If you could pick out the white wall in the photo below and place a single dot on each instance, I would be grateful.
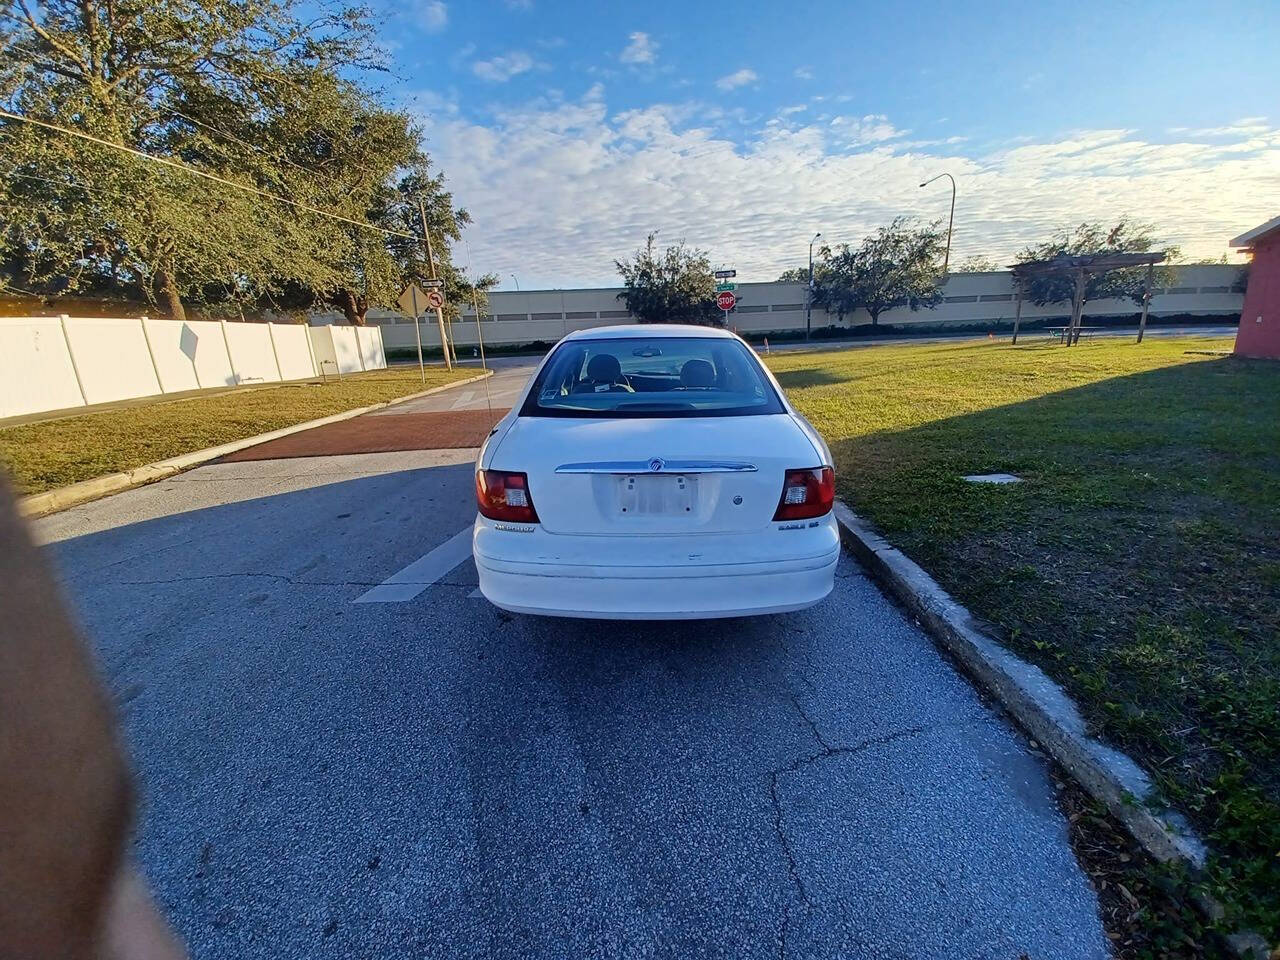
(292, 350)
(322, 350)
(252, 357)
(346, 349)
(173, 345)
(35, 368)
(118, 359)
(213, 362)
(369, 344)
(525, 316)
(112, 359)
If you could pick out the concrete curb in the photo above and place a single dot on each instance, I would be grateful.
(51, 501)
(1039, 705)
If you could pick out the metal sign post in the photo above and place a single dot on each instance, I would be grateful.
(412, 301)
(726, 301)
(726, 298)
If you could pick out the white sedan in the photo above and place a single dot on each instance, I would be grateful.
(650, 473)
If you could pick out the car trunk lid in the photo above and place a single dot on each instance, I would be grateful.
(660, 476)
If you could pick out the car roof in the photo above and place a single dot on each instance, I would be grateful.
(649, 330)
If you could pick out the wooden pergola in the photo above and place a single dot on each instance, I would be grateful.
(1081, 268)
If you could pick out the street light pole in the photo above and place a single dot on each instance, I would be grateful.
(951, 221)
(513, 277)
(808, 297)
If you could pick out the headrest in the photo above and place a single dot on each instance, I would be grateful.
(697, 373)
(604, 368)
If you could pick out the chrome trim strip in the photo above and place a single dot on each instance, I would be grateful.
(668, 466)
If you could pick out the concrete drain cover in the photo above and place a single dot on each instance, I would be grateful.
(993, 478)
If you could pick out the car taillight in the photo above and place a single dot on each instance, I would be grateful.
(807, 493)
(501, 495)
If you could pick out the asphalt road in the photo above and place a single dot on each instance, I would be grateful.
(418, 774)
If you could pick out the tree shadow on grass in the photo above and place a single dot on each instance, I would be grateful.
(1137, 563)
(810, 377)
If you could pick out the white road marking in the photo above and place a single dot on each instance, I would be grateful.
(475, 594)
(422, 573)
(463, 399)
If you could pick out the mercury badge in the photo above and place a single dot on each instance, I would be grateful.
(656, 465)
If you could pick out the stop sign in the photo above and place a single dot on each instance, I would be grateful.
(726, 300)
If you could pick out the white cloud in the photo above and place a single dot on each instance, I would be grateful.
(739, 78)
(641, 49)
(432, 103)
(461, 55)
(558, 189)
(858, 131)
(1247, 126)
(433, 15)
(798, 108)
(802, 73)
(501, 69)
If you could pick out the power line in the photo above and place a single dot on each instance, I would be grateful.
(231, 136)
(164, 161)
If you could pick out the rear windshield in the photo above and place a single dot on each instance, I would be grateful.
(652, 377)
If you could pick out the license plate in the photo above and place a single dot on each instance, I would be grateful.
(664, 496)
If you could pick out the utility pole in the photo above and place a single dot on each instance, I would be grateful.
(431, 260)
(808, 296)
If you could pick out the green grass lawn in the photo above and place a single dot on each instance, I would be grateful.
(1138, 564)
(42, 456)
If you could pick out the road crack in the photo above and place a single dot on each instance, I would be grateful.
(828, 750)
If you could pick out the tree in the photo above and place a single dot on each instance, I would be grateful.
(899, 265)
(258, 92)
(1089, 239)
(670, 286)
(978, 263)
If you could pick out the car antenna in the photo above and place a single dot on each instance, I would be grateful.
(475, 303)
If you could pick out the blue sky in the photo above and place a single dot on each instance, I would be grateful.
(571, 129)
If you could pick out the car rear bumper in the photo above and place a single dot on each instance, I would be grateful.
(672, 591)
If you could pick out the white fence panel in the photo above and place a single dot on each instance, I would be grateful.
(252, 357)
(35, 370)
(346, 349)
(292, 351)
(173, 345)
(112, 358)
(126, 358)
(367, 341)
(213, 363)
(322, 346)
